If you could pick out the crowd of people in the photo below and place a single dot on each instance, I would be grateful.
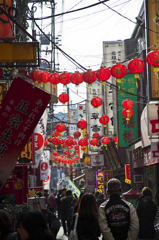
(113, 218)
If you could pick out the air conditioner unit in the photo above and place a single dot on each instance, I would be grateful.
(138, 178)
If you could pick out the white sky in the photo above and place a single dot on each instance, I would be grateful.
(83, 32)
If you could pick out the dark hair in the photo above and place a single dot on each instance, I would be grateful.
(146, 191)
(88, 208)
(39, 193)
(63, 189)
(96, 194)
(77, 203)
(34, 223)
(6, 222)
(68, 192)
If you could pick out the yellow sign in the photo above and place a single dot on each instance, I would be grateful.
(87, 161)
(18, 52)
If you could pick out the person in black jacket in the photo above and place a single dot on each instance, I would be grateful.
(66, 204)
(87, 225)
(100, 199)
(146, 211)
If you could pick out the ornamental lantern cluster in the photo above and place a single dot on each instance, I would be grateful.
(60, 127)
(127, 112)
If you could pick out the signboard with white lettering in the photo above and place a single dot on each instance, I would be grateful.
(153, 119)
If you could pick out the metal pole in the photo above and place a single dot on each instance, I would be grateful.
(53, 36)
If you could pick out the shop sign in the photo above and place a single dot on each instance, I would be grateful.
(153, 119)
(87, 161)
(44, 167)
(6, 24)
(137, 153)
(127, 130)
(127, 174)
(32, 191)
(108, 174)
(97, 160)
(151, 154)
(90, 175)
(21, 109)
(47, 181)
(18, 184)
(100, 182)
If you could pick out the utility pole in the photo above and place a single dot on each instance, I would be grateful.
(68, 110)
(53, 36)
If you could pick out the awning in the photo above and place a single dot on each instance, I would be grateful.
(79, 177)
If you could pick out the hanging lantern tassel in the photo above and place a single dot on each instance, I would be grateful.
(56, 147)
(136, 84)
(105, 146)
(136, 75)
(39, 84)
(118, 80)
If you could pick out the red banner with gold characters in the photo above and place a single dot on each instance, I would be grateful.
(20, 112)
(108, 174)
(127, 174)
(6, 25)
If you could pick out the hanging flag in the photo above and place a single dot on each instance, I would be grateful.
(39, 137)
(20, 112)
(47, 182)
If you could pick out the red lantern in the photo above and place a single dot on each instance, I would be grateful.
(104, 120)
(118, 71)
(72, 154)
(136, 66)
(76, 78)
(96, 102)
(115, 139)
(45, 144)
(55, 153)
(69, 142)
(83, 148)
(55, 141)
(50, 140)
(66, 152)
(70, 137)
(76, 148)
(103, 74)
(57, 133)
(152, 59)
(89, 77)
(69, 147)
(63, 127)
(64, 78)
(77, 134)
(127, 113)
(35, 76)
(54, 79)
(64, 97)
(82, 124)
(59, 127)
(74, 142)
(84, 142)
(105, 141)
(95, 135)
(94, 142)
(62, 141)
(70, 168)
(127, 104)
(44, 77)
(55, 166)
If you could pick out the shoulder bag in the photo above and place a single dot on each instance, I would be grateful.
(73, 234)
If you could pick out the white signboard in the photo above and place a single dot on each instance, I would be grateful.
(44, 166)
(39, 137)
(97, 160)
(93, 115)
(153, 119)
(47, 182)
(81, 108)
(113, 52)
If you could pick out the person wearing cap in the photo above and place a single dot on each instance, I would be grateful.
(146, 211)
(118, 219)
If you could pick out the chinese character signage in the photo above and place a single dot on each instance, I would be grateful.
(47, 181)
(127, 130)
(6, 25)
(151, 154)
(72, 187)
(153, 119)
(113, 52)
(97, 160)
(127, 174)
(152, 24)
(87, 161)
(108, 174)
(27, 155)
(100, 182)
(93, 114)
(44, 166)
(39, 137)
(20, 111)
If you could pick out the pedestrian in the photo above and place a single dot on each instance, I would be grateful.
(51, 202)
(58, 203)
(66, 203)
(96, 194)
(7, 226)
(32, 226)
(100, 199)
(117, 218)
(87, 225)
(146, 211)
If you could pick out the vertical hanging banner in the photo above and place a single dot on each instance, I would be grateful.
(108, 174)
(47, 181)
(113, 52)
(152, 24)
(44, 166)
(93, 114)
(100, 182)
(127, 130)
(6, 25)
(127, 174)
(20, 111)
(39, 137)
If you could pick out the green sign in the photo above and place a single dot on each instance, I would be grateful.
(127, 130)
(133, 202)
